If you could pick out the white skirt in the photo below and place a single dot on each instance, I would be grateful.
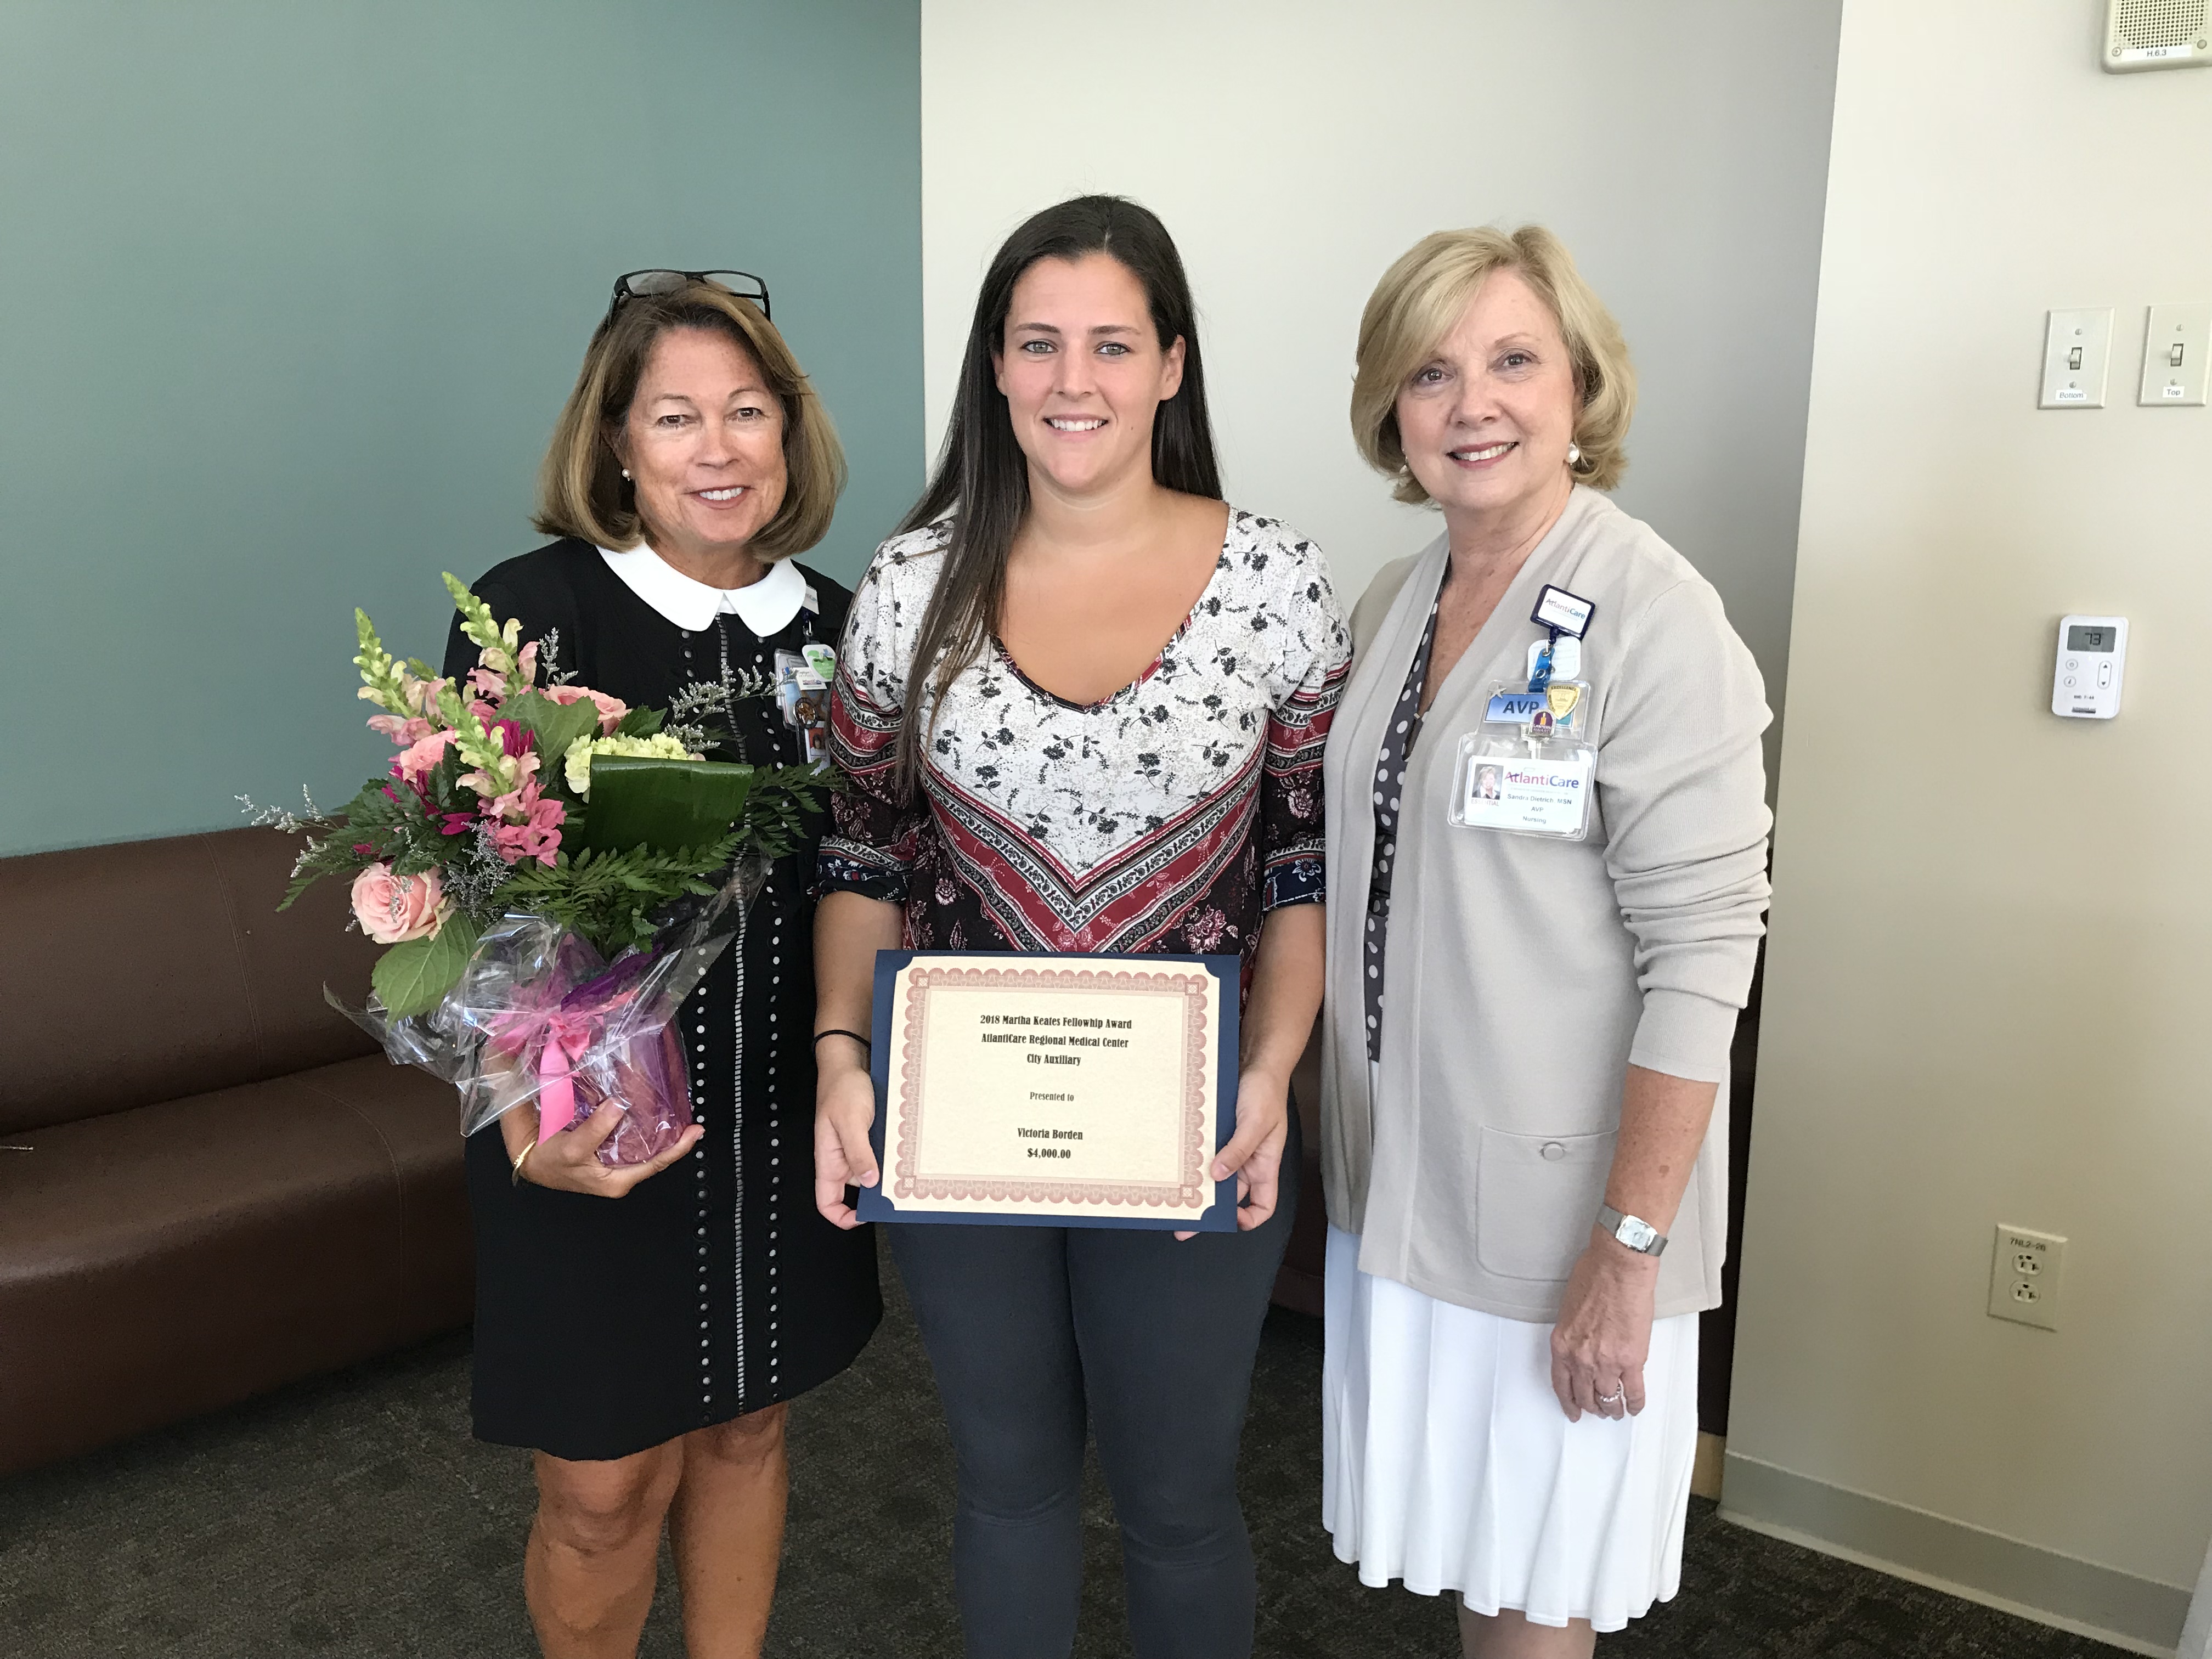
(1447, 1461)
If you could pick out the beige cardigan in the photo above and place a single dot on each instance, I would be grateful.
(1524, 975)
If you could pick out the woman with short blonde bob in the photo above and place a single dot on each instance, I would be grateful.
(1533, 975)
(642, 1328)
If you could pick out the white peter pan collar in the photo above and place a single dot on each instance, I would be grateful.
(767, 606)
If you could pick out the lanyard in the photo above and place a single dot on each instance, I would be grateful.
(1539, 679)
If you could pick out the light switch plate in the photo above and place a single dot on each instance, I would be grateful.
(2182, 332)
(2024, 1277)
(2076, 345)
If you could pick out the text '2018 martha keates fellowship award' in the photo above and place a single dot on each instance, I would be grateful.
(1054, 1091)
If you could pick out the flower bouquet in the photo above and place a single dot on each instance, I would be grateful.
(553, 873)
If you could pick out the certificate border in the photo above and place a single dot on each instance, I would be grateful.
(1060, 1203)
(1188, 1194)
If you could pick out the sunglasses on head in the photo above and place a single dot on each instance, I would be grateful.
(634, 284)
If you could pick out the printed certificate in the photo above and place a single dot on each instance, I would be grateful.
(1054, 1091)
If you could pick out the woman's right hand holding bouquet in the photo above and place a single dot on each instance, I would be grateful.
(569, 1160)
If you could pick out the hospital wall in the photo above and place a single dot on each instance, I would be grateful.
(1987, 981)
(1295, 147)
(292, 294)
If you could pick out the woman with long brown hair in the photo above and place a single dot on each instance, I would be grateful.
(1082, 703)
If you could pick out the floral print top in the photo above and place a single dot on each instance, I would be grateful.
(1168, 818)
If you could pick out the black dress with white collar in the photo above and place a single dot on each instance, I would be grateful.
(606, 1326)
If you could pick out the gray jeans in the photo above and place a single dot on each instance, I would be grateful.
(1032, 1330)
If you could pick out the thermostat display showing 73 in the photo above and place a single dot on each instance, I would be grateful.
(2092, 652)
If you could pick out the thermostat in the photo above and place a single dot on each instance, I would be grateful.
(2091, 652)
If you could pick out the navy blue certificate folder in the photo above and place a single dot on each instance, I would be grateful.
(1219, 1216)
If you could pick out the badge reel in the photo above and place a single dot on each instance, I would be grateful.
(1530, 767)
(802, 694)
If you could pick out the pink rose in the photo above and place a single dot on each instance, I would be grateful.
(420, 758)
(393, 909)
(612, 709)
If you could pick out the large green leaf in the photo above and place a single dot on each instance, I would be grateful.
(664, 806)
(413, 978)
(554, 724)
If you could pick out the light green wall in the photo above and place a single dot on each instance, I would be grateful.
(291, 294)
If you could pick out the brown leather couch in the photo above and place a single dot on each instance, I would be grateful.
(228, 1188)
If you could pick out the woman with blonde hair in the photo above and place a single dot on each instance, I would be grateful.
(1534, 968)
(642, 1328)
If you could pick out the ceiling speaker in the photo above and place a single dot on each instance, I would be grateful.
(2157, 34)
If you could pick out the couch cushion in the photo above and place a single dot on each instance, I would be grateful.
(154, 970)
(286, 960)
(163, 1261)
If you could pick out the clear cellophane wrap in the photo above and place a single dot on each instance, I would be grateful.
(539, 1019)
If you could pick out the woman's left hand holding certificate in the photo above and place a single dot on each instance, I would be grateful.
(1277, 1016)
(848, 930)
(1254, 1153)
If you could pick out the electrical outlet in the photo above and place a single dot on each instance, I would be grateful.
(2024, 1277)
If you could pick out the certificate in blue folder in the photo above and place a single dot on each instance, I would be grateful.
(1046, 1090)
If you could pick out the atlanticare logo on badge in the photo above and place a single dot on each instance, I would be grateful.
(1548, 779)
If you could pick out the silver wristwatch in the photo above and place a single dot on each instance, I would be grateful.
(1637, 1234)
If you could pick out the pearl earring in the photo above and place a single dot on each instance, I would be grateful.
(1574, 456)
(626, 471)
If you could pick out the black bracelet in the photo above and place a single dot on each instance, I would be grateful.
(855, 1036)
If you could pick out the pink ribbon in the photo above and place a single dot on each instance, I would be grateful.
(561, 1041)
(565, 1040)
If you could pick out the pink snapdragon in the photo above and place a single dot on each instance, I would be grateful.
(536, 833)
(403, 731)
(526, 821)
(517, 764)
(512, 805)
(612, 709)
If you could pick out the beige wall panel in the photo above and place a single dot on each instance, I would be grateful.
(1989, 993)
(1295, 146)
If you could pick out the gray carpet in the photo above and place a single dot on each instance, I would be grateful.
(353, 1516)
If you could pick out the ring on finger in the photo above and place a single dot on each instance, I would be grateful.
(1619, 1394)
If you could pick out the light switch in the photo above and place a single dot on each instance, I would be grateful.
(2075, 346)
(2177, 349)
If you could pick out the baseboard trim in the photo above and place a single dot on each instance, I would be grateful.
(2079, 1597)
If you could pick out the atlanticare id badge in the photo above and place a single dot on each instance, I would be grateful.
(1531, 767)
